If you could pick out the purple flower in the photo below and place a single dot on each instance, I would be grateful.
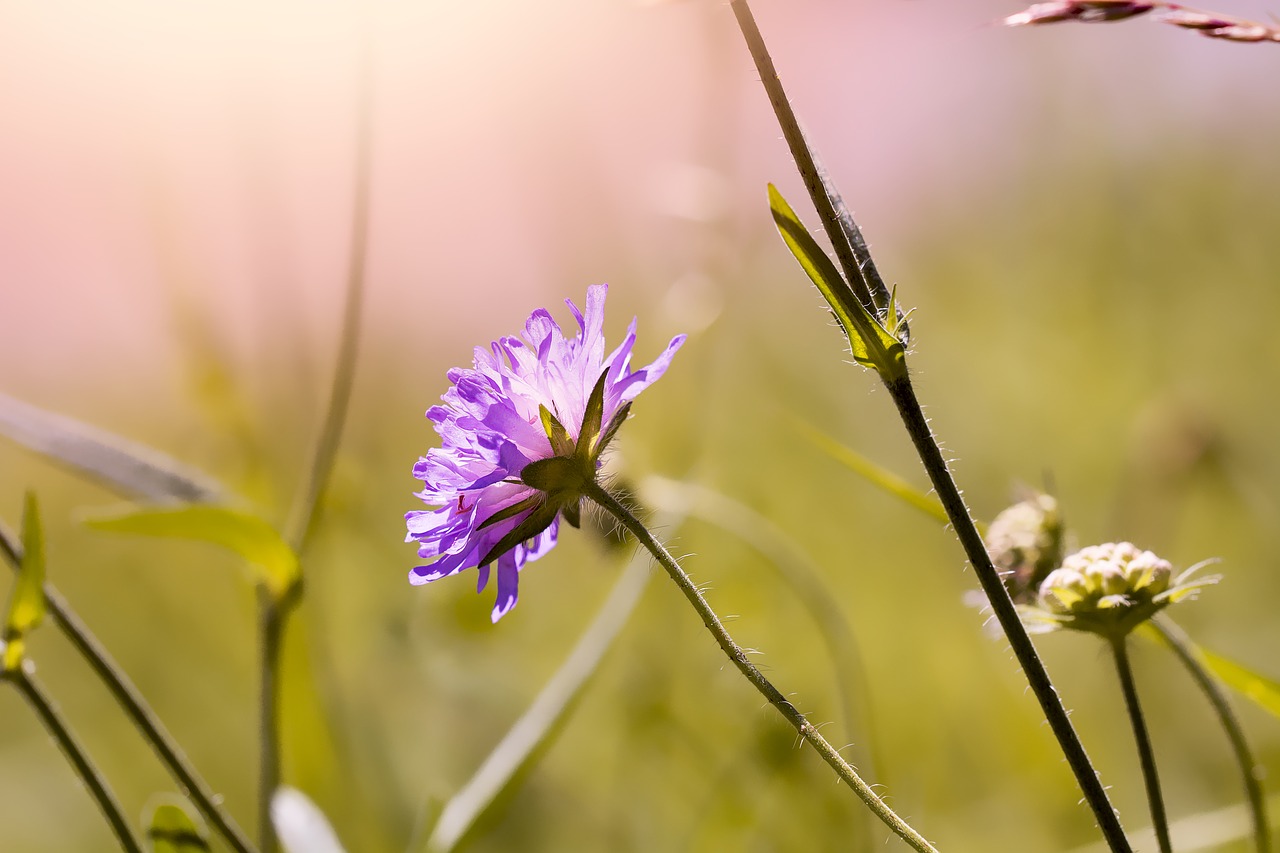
(522, 435)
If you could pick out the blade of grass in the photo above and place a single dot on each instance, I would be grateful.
(126, 467)
(532, 733)
(878, 476)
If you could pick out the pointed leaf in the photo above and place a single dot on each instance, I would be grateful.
(26, 606)
(173, 830)
(126, 467)
(300, 824)
(872, 345)
(247, 535)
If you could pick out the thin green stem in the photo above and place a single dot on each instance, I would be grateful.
(1250, 770)
(1146, 755)
(71, 748)
(944, 485)
(304, 511)
(271, 619)
(757, 679)
(140, 714)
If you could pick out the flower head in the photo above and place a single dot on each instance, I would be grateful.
(1110, 589)
(1026, 542)
(522, 433)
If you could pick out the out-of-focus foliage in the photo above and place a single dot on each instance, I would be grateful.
(1095, 302)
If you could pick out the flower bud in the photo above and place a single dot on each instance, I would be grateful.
(1109, 589)
(1026, 542)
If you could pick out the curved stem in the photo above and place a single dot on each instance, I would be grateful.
(904, 397)
(748, 669)
(1146, 755)
(75, 753)
(1250, 770)
(140, 714)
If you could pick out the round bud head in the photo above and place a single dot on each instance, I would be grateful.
(1026, 542)
(1109, 589)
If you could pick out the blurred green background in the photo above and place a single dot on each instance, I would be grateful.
(1084, 219)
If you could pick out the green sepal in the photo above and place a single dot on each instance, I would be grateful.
(589, 437)
(275, 564)
(572, 512)
(561, 442)
(26, 606)
(172, 830)
(538, 520)
(871, 343)
(509, 511)
(558, 476)
(615, 423)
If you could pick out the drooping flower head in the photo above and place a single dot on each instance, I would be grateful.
(522, 433)
(1027, 541)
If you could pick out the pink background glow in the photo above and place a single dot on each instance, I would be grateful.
(156, 155)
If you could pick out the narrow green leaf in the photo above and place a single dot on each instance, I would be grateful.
(26, 606)
(1265, 692)
(876, 475)
(126, 467)
(872, 345)
(531, 735)
(247, 535)
(173, 830)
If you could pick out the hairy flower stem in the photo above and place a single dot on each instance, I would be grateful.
(131, 701)
(806, 729)
(1146, 755)
(85, 769)
(1250, 770)
(944, 485)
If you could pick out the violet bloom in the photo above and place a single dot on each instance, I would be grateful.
(522, 436)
